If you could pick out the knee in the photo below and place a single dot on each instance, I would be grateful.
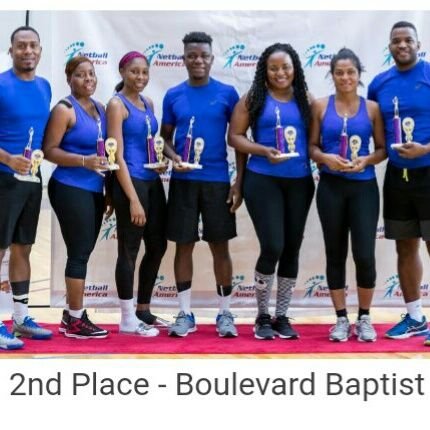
(365, 272)
(76, 267)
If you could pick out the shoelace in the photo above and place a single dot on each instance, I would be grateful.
(29, 322)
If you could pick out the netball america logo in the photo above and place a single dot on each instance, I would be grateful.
(316, 287)
(388, 58)
(99, 58)
(108, 229)
(156, 57)
(393, 290)
(236, 57)
(315, 56)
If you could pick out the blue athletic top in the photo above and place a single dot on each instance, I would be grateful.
(265, 134)
(212, 106)
(134, 134)
(331, 129)
(82, 139)
(23, 104)
(412, 88)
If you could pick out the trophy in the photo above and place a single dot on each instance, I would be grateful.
(158, 145)
(355, 145)
(397, 126)
(343, 150)
(101, 152)
(281, 137)
(198, 149)
(111, 146)
(408, 125)
(35, 157)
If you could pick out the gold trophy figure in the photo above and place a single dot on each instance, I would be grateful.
(36, 160)
(158, 148)
(111, 146)
(355, 145)
(408, 125)
(199, 145)
(290, 134)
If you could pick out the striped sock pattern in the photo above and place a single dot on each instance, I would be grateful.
(284, 294)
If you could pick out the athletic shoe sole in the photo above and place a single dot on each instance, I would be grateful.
(282, 336)
(34, 336)
(174, 334)
(136, 333)
(263, 337)
(11, 347)
(79, 336)
(229, 334)
(408, 335)
(427, 342)
(345, 339)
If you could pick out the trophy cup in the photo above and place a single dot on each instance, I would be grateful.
(101, 152)
(111, 146)
(290, 134)
(355, 145)
(158, 146)
(198, 148)
(35, 163)
(397, 128)
(408, 125)
(343, 150)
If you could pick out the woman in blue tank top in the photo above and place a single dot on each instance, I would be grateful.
(348, 198)
(138, 196)
(278, 191)
(76, 186)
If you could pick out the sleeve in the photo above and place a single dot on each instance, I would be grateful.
(232, 100)
(168, 114)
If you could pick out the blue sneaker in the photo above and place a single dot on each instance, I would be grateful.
(29, 328)
(184, 324)
(7, 340)
(408, 327)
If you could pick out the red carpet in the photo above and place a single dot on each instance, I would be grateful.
(314, 339)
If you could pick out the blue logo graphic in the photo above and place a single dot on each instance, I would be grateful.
(392, 286)
(232, 54)
(151, 51)
(315, 287)
(313, 53)
(73, 50)
(108, 229)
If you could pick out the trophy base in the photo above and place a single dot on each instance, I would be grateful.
(112, 167)
(27, 178)
(191, 166)
(287, 155)
(396, 145)
(154, 165)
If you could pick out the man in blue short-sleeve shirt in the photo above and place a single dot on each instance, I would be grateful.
(200, 107)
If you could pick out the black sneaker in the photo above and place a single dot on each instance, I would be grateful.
(64, 321)
(263, 327)
(83, 328)
(150, 319)
(282, 327)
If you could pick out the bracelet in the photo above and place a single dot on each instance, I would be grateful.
(83, 161)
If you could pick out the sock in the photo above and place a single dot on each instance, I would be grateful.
(76, 313)
(342, 313)
(284, 294)
(185, 301)
(128, 316)
(362, 312)
(263, 289)
(415, 310)
(20, 292)
(224, 297)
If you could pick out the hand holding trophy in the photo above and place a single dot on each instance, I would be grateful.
(289, 134)
(199, 145)
(408, 125)
(158, 147)
(35, 157)
(111, 146)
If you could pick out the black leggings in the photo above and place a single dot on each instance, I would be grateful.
(80, 214)
(278, 208)
(348, 205)
(152, 197)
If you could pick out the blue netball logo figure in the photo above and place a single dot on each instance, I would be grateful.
(151, 51)
(392, 284)
(73, 49)
(312, 284)
(387, 57)
(232, 53)
(311, 54)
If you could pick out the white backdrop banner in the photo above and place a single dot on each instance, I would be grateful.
(239, 37)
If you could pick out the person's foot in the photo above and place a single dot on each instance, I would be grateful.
(341, 331)
(64, 320)
(225, 325)
(263, 327)
(8, 340)
(408, 327)
(364, 329)
(30, 329)
(83, 328)
(282, 327)
(184, 324)
(150, 319)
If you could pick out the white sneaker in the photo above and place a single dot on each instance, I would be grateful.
(364, 330)
(138, 328)
(341, 331)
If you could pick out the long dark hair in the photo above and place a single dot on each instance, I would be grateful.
(258, 91)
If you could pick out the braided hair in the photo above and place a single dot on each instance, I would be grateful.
(258, 91)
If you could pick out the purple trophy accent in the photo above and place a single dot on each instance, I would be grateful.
(343, 150)
(397, 122)
(27, 149)
(280, 142)
(100, 142)
(150, 140)
(188, 141)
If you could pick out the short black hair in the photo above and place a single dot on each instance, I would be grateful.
(197, 37)
(24, 28)
(403, 24)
